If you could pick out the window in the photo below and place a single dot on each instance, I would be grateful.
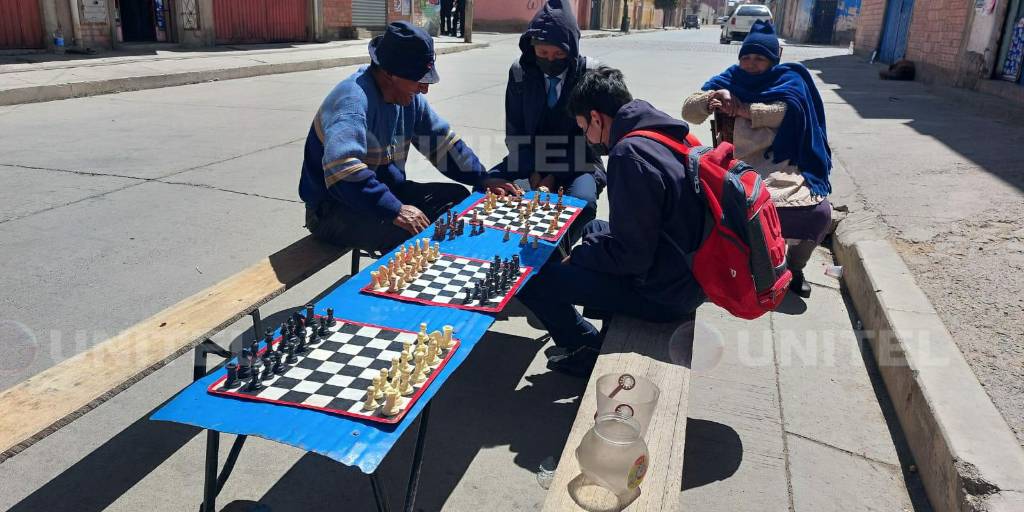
(753, 10)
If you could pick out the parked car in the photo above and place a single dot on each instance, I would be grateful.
(692, 21)
(738, 25)
(722, 20)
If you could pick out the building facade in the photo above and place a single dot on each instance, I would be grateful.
(505, 16)
(817, 21)
(106, 24)
(976, 44)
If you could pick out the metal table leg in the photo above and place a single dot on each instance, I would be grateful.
(210, 482)
(378, 493)
(417, 460)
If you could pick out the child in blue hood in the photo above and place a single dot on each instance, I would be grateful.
(546, 148)
(779, 128)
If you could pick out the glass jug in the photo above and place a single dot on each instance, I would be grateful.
(613, 454)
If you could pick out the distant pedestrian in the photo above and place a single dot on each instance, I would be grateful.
(446, 17)
(779, 129)
(460, 19)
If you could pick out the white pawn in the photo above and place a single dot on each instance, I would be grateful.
(405, 384)
(391, 404)
(447, 336)
(384, 383)
(378, 388)
(419, 373)
(433, 358)
(370, 403)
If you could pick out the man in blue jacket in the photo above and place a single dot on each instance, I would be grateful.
(353, 175)
(545, 146)
(633, 264)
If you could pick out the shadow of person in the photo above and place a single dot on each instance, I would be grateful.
(713, 452)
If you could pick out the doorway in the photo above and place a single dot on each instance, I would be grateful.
(137, 20)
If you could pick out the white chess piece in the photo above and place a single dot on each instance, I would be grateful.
(391, 404)
(370, 403)
(447, 336)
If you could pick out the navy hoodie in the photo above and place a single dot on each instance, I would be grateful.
(649, 199)
(526, 101)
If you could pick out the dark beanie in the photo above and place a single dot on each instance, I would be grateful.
(762, 41)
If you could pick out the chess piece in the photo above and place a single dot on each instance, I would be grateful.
(551, 226)
(384, 380)
(419, 373)
(268, 369)
(378, 391)
(391, 407)
(400, 283)
(245, 364)
(330, 317)
(536, 242)
(254, 383)
(232, 381)
(508, 234)
(404, 384)
(279, 365)
(433, 358)
(437, 338)
(525, 239)
(309, 315)
(291, 359)
(446, 338)
(370, 403)
(393, 285)
(375, 279)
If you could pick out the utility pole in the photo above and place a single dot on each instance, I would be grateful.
(625, 16)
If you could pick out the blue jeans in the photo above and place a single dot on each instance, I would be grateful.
(552, 294)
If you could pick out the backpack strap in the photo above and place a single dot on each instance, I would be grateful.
(690, 148)
(517, 71)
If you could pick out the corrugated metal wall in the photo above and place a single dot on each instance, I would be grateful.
(259, 21)
(20, 24)
(369, 13)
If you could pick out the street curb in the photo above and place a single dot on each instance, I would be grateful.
(968, 458)
(41, 93)
(600, 35)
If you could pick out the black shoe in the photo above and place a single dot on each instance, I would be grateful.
(578, 363)
(799, 286)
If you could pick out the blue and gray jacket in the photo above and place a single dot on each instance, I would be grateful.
(526, 128)
(358, 144)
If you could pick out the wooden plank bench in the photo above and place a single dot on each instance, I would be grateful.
(45, 402)
(639, 348)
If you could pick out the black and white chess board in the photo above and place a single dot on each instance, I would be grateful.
(450, 281)
(334, 374)
(507, 215)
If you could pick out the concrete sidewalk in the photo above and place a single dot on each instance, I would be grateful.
(35, 77)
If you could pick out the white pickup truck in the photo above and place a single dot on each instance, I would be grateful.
(738, 25)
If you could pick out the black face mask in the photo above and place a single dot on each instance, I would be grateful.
(601, 149)
(552, 67)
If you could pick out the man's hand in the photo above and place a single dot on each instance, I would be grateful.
(542, 183)
(501, 187)
(411, 219)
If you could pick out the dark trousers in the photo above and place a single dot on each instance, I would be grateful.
(552, 294)
(446, 18)
(336, 223)
(459, 20)
(809, 225)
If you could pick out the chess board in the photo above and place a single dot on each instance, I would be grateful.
(333, 375)
(507, 215)
(448, 281)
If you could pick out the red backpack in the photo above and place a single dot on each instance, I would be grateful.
(741, 262)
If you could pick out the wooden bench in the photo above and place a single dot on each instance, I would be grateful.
(57, 396)
(639, 348)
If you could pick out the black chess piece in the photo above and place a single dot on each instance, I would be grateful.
(268, 369)
(330, 317)
(291, 359)
(254, 383)
(268, 339)
(309, 315)
(314, 337)
(232, 380)
(285, 334)
(300, 344)
(244, 364)
(323, 331)
(279, 366)
(300, 324)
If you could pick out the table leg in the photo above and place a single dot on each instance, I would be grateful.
(378, 493)
(210, 482)
(417, 460)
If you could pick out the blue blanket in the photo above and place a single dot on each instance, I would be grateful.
(801, 138)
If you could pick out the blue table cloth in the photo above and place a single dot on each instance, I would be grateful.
(354, 442)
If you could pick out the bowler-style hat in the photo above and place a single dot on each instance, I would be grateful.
(405, 51)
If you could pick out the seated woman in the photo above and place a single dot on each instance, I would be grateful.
(779, 129)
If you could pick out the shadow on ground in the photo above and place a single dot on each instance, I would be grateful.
(978, 131)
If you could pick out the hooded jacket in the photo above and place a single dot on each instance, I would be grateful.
(649, 198)
(526, 101)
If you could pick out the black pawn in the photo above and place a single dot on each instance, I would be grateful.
(330, 317)
(232, 380)
(268, 369)
(291, 359)
(300, 323)
(279, 366)
(244, 365)
(314, 337)
(268, 339)
(323, 331)
(254, 383)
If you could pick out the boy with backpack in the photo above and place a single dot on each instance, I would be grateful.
(630, 264)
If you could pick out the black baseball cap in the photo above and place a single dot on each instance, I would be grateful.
(405, 50)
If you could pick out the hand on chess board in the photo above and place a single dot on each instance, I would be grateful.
(501, 187)
(537, 182)
(411, 219)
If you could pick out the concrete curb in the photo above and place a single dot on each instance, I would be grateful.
(968, 458)
(40, 93)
